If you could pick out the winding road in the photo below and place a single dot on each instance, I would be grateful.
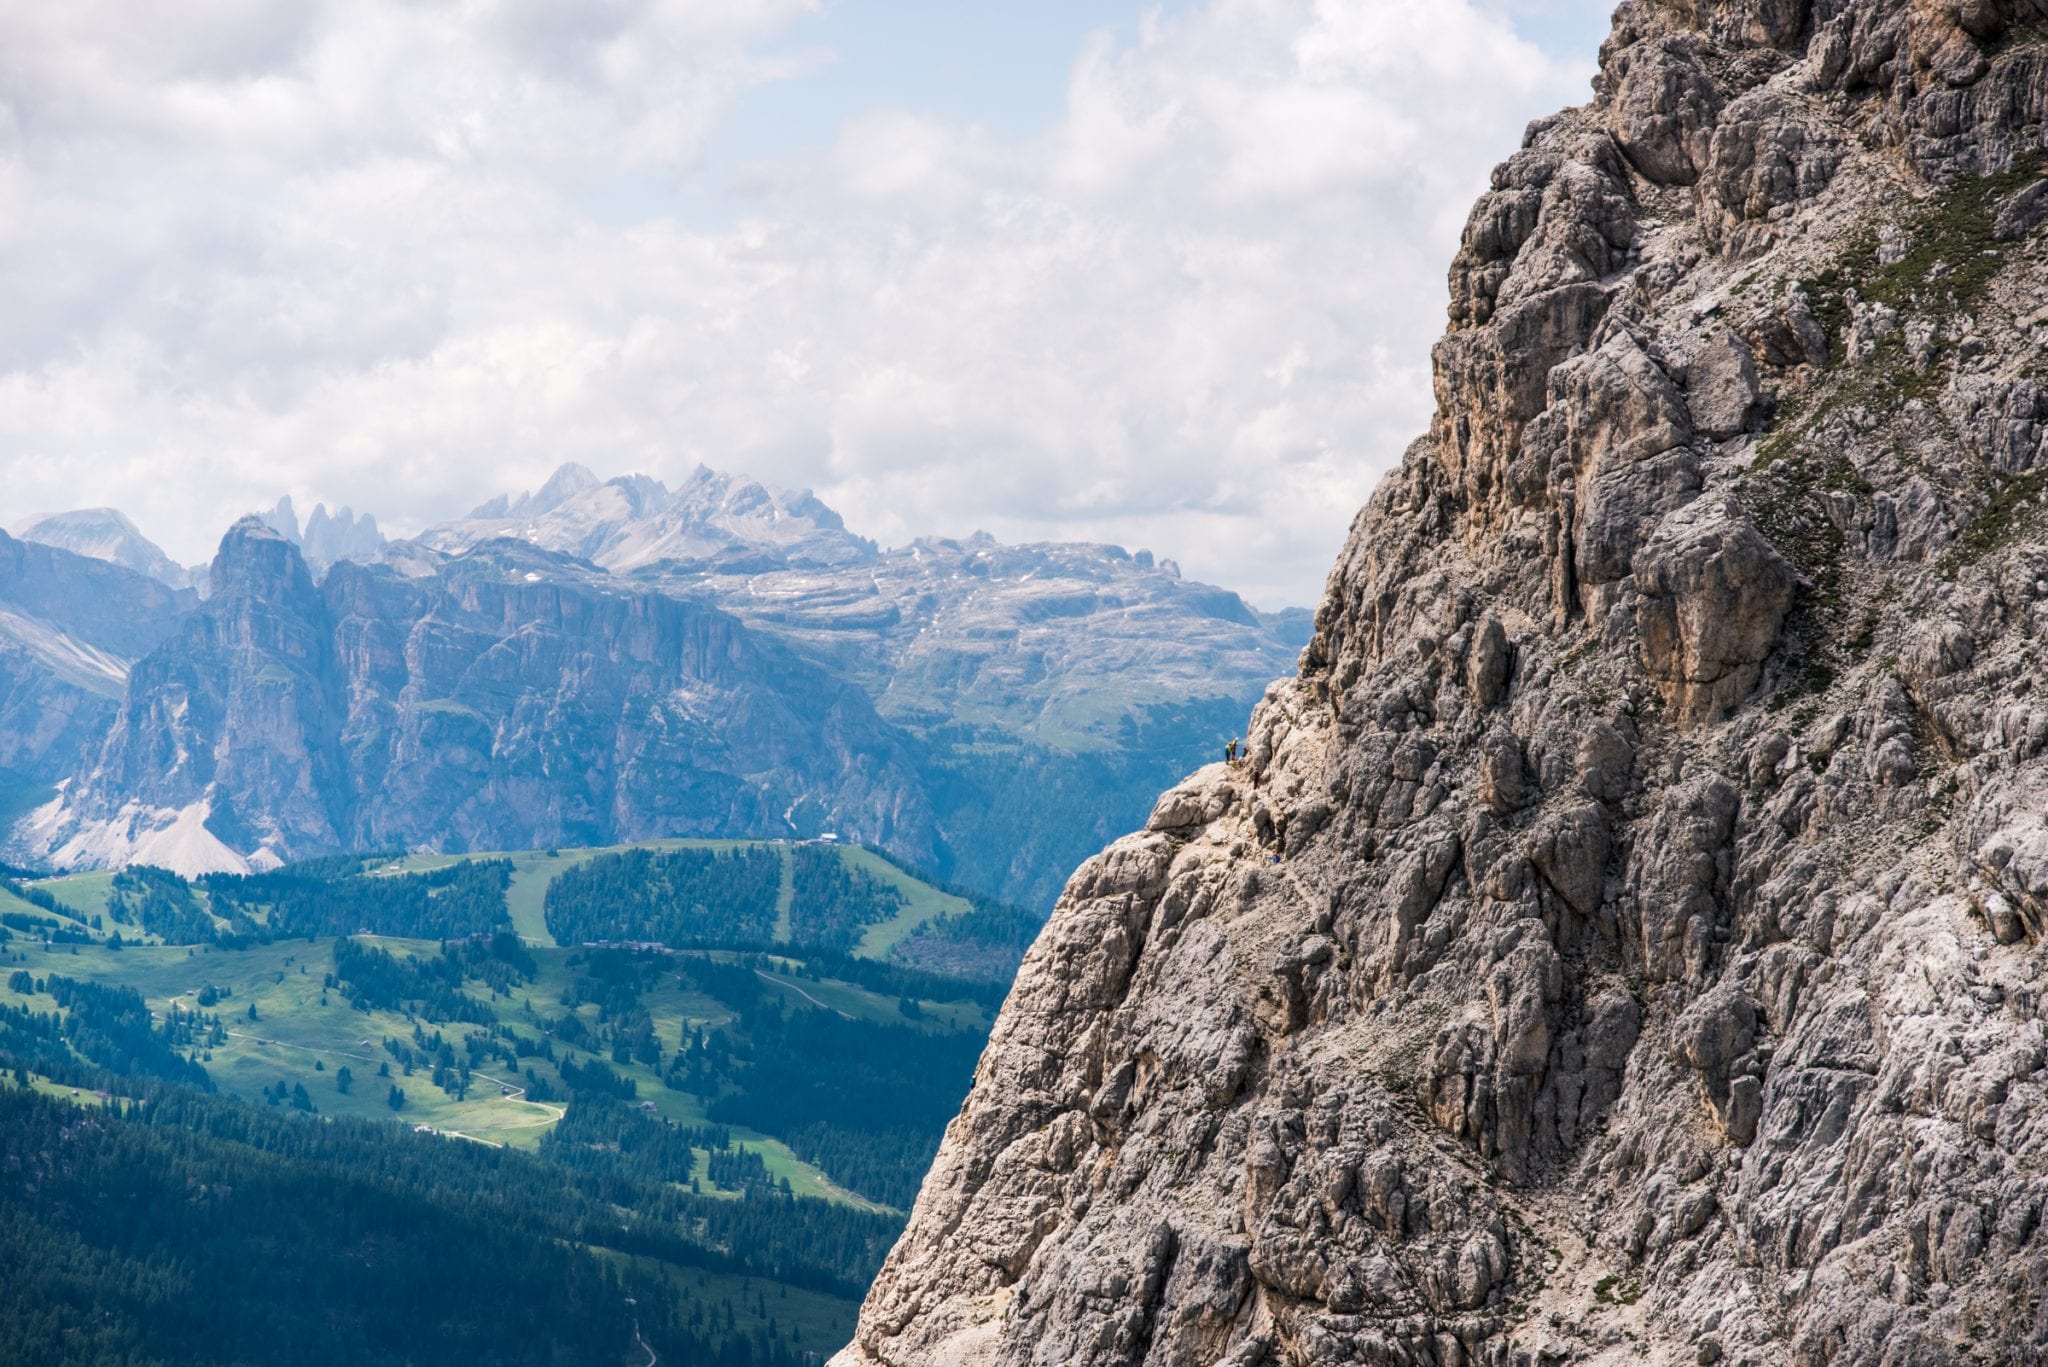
(771, 978)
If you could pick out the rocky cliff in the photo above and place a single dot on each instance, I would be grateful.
(70, 628)
(1049, 689)
(509, 699)
(1622, 941)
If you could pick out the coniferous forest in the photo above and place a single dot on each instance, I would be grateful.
(679, 897)
(689, 1126)
(176, 1228)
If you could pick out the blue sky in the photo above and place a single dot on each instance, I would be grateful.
(1165, 276)
(1004, 65)
(1001, 66)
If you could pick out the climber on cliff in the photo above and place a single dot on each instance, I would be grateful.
(1230, 753)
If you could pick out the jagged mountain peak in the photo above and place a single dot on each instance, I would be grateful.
(715, 493)
(259, 559)
(283, 519)
(569, 480)
(326, 539)
(630, 522)
(333, 538)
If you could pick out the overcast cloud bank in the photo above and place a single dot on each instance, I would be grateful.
(382, 254)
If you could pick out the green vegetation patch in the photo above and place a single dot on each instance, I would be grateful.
(1950, 257)
(81, 896)
(2013, 511)
(193, 1230)
(1948, 262)
(1782, 495)
(826, 1073)
(922, 902)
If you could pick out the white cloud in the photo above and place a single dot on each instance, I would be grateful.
(349, 251)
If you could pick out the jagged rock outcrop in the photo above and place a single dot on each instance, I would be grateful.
(1622, 942)
(327, 538)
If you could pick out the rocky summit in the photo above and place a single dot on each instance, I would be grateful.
(1622, 941)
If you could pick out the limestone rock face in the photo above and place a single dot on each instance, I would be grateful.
(1622, 940)
(1714, 595)
(509, 700)
(71, 626)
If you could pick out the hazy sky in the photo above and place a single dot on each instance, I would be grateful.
(1164, 275)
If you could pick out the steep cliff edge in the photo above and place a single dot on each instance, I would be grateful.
(1622, 943)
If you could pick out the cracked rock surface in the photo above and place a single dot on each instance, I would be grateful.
(1622, 942)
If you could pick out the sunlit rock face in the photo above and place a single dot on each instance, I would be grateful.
(1621, 942)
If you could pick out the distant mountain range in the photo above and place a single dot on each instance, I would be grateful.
(105, 534)
(602, 660)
